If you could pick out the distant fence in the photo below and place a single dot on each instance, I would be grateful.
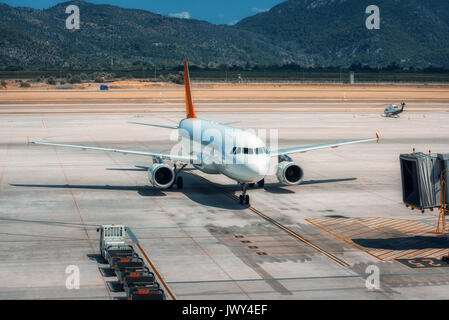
(255, 76)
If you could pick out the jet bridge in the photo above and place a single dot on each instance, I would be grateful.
(425, 178)
(421, 187)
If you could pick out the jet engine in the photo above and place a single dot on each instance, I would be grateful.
(289, 172)
(161, 175)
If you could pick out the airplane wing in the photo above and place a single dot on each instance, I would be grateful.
(320, 146)
(167, 156)
(155, 125)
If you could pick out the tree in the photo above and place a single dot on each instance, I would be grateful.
(176, 78)
(74, 79)
(51, 81)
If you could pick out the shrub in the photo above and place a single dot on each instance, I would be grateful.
(51, 81)
(84, 76)
(176, 78)
(25, 84)
(74, 79)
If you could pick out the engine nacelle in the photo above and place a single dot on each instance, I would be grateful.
(161, 175)
(289, 172)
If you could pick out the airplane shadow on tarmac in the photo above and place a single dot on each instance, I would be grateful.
(201, 193)
(145, 191)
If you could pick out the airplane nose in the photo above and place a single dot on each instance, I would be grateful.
(257, 171)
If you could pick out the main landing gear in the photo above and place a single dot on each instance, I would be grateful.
(179, 182)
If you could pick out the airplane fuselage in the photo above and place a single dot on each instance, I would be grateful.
(237, 154)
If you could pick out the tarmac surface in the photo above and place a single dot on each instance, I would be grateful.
(318, 240)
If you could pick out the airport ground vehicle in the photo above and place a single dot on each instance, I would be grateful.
(112, 241)
(138, 281)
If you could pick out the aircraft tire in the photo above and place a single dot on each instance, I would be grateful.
(180, 183)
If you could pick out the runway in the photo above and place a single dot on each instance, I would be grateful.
(294, 242)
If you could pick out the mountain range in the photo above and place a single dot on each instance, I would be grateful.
(306, 32)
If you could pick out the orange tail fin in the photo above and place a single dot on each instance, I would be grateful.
(190, 111)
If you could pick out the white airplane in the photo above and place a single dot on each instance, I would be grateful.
(217, 148)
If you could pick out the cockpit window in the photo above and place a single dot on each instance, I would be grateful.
(238, 150)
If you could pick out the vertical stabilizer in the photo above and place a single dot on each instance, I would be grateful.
(190, 111)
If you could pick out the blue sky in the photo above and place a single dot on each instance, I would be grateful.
(215, 11)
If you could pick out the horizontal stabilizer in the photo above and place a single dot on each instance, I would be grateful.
(229, 123)
(156, 125)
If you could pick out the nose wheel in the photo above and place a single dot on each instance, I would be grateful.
(244, 198)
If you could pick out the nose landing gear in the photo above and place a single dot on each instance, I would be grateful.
(244, 198)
